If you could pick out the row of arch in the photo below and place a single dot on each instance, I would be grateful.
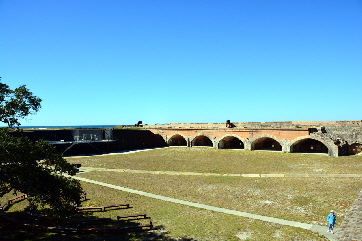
(306, 144)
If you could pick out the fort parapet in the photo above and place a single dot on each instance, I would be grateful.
(331, 137)
(275, 124)
(334, 138)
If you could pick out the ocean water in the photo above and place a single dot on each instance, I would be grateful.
(80, 126)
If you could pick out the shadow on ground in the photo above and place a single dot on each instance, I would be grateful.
(11, 232)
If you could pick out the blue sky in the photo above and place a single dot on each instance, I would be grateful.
(118, 62)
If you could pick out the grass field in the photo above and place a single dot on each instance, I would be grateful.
(200, 159)
(302, 199)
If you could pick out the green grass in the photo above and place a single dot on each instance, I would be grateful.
(299, 199)
(225, 161)
(303, 199)
(178, 221)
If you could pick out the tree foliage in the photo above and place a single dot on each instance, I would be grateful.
(35, 169)
(17, 104)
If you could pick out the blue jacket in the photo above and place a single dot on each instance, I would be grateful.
(331, 218)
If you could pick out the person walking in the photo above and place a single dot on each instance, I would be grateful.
(331, 219)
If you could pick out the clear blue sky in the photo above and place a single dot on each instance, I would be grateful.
(118, 62)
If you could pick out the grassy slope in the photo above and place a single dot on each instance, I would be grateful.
(225, 161)
(301, 199)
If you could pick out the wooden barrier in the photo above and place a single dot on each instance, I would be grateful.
(132, 216)
(79, 228)
(102, 208)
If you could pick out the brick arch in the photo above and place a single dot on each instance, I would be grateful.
(177, 133)
(220, 144)
(255, 141)
(332, 149)
(175, 142)
(193, 138)
(160, 140)
(164, 137)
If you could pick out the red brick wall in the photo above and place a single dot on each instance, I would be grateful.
(289, 134)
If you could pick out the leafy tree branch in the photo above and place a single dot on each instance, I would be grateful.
(35, 169)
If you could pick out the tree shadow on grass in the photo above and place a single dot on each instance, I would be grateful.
(83, 225)
(13, 232)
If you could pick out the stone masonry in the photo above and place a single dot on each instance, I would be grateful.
(351, 227)
(339, 137)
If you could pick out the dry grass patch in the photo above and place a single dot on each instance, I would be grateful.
(176, 221)
(300, 199)
(225, 161)
(305, 200)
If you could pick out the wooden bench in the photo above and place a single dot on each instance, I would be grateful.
(115, 205)
(9, 201)
(116, 228)
(143, 215)
(88, 208)
(80, 229)
(4, 204)
(22, 196)
(139, 226)
(103, 208)
(29, 225)
(93, 219)
(62, 228)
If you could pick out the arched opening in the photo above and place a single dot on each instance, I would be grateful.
(159, 141)
(177, 140)
(343, 147)
(231, 142)
(268, 144)
(309, 146)
(355, 149)
(201, 141)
